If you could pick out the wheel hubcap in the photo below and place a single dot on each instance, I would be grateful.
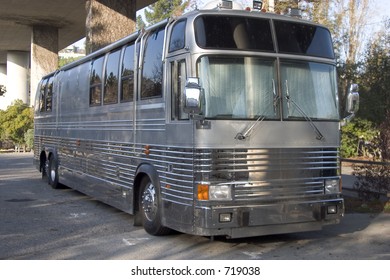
(149, 202)
(52, 175)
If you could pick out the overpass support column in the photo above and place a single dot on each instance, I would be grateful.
(3, 82)
(3, 74)
(44, 54)
(108, 21)
(17, 78)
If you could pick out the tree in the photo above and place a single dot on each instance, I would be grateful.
(29, 138)
(15, 122)
(3, 90)
(140, 23)
(163, 9)
(62, 61)
(375, 79)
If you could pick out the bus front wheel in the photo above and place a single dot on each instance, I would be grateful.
(150, 207)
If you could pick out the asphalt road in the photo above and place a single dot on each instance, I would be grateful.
(37, 222)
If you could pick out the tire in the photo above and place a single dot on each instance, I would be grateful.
(43, 168)
(52, 172)
(150, 208)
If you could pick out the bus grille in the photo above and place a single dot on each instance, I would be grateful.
(269, 174)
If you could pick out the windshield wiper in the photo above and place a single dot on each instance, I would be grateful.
(247, 132)
(276, 96)
(307, 118)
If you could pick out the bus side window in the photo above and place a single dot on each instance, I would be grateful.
(42, 98)
(178, 70)
(177, 41)
(152, 70)
(110, 95)
(49, 95)
(127, 88)
(95, 90)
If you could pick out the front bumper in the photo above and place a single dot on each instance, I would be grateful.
(265, 219)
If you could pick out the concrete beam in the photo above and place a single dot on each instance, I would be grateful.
(108, 21)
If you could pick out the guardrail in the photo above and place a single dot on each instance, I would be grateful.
(364, 189)
(366, 161)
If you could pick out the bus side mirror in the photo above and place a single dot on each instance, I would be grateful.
(192, 97)
(353, 99)
(352, 105)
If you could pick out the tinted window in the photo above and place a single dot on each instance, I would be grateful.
(46, 95)
(96, 81)
(127, 74)
(178, 76)
(177, 41)
(49, 95)
(151, 83)
(239, 33)
(111, 78)
(303, 39)
(42, 98)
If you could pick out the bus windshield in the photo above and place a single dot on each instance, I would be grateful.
(238, 87)
(309, 89)
(246, 88)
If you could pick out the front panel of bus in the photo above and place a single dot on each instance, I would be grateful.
(265, 142)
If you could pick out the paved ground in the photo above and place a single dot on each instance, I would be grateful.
(37, 222)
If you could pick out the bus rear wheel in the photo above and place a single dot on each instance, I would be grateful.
(150, 207)
(52, 172)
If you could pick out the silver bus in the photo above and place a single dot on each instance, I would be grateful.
(220, 122)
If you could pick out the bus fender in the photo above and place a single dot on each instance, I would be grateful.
(50, 152)
(143, 169)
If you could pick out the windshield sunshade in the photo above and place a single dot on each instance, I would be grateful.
(238, 87)
(312, 89)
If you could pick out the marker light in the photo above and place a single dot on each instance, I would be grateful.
(257, 5)
(147, 150)
(203, 192)
(227, 4)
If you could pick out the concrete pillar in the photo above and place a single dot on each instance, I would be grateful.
(44, 54)
(3, 82)
(3, 74)
(17, 78)
(108, 21)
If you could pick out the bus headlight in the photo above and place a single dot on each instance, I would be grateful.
(220, 192)
(214, 192)
(332, 186)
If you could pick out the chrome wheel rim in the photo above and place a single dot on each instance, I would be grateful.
(52, 172)
(149, 202)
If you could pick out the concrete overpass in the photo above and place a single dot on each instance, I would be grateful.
(32, 33)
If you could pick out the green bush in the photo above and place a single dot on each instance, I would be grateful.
(29, 138)
(359, 135)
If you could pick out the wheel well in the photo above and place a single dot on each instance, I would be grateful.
(42, 160)
(137, 187)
